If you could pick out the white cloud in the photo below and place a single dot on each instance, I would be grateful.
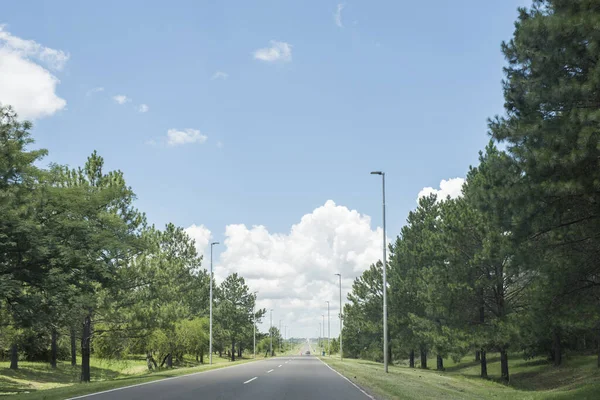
(143, 108)
(337, 15)
(294, 272)
(279, 51)
(94, 90)
(220, 75)
(121, 99)
(24, 83)
(201, 236)
(451, 187)
(176, 137)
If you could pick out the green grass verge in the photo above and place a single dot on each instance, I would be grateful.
(34, 380)
(578, 379)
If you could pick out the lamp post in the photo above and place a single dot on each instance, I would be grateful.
(285, 337)
(279, 336)
(323, 335)
(271, 334)
(341, 316)
(384, 262)
(211, 302)
(254, 338)
(328, 328)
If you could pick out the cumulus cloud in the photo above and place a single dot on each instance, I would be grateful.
(220, 75)
(178, 137)
(279, 51)
(121, 99)
(294, 272)
(337, 15)
(201, 236)
(143, 108)
(25, 83)
(451, 187)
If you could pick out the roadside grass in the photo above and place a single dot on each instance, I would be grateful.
(578, 378)
(36, 380)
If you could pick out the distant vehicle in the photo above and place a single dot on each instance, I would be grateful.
(308, 353)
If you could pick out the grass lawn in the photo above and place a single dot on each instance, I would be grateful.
(35, 380)
(578, 378)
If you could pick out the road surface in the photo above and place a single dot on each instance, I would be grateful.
(279, 378)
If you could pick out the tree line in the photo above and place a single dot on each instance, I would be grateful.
(82, 272)
(513, 264)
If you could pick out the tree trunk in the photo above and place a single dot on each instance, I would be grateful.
(73, 348)
(411, 359)
(483, 364)
(423, 357)
(197, 357)
(233, 350)
(170, 360)
(53, 349)
(556, 348)
(14, 357)
(477, 356)
(85, 348)
(504, 364)
(149, 360)
(202, 357)
(240, 352)
(164, 360)
(598, 348)
(440, 363)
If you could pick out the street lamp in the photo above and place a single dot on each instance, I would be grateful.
(328, 328)
(323, 340)
(285, 337)
(211, 301)
(319, 338)
(254, 339)
(271, 334)
(384, 262)
(341, 353)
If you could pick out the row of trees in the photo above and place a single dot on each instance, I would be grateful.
(79, 263)
(513, 264)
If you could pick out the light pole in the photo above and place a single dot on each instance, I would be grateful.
(271, 334)
(254, 345)
(341, 354)
(285, 337)
(211, 302)
(384, 262)
(328, 329)
(323, 335)
(319, 338)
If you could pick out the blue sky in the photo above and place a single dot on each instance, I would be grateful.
(399, 86)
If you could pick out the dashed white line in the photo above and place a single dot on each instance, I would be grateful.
(279, 366)
(269, 371)
(250, 380)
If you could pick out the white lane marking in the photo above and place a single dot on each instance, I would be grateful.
(279, 366)
(158, 380)
(269, 371)
(287, 362)
(250, 380)
(352, 383)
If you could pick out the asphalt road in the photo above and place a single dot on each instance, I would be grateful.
(278, 378)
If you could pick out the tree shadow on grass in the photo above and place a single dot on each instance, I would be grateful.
(8, 387)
